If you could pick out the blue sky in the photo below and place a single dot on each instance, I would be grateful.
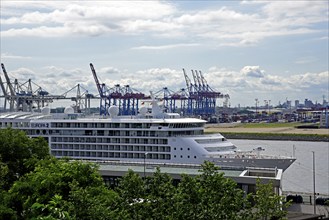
(273, 50)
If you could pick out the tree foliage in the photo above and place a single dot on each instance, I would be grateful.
(20, 153)
(268, 204)
(51, 211)
(207, 196)
(74, 182)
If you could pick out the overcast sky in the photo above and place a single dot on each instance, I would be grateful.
(270, 50)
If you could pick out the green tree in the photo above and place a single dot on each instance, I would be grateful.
(209, 195)
(269, 205)
(20, 153)
(132, 195)
(92, 202)
(160, 196)
(5, 211)
(212, 196)
(51, 211)
(72, 181)
(150, 198)
(187, 198)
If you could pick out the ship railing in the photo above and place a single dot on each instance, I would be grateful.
(245, 156)
(137, 163)
(177, 165)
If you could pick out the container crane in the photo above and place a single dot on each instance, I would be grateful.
(202, 98)
(12, 95)
(122, 96)
(104, 101)
(4, 91)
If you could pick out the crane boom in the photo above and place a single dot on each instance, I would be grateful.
(12, 92)
(188, 82)
(199, 81)
(99, 87)
(196, 84)
(203, 81)
(3, 88)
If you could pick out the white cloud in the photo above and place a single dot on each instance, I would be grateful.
(163, 47)
(307, 11)
(305, 60)
(224, 25)
(109, 70)
(243, 89)
(85, 17)
(11, 56)
(22, 75)
(253, 71)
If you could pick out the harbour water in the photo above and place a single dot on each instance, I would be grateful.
(298, 177)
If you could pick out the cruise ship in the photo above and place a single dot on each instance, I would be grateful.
(153, 136)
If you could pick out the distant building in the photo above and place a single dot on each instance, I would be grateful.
(308, 103)
(296, 103)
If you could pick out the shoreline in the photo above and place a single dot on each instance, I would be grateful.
(287, 133)
(277, 137)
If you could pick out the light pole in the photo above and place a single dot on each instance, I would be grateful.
(145, 154)
(256, 100)
(267, 104)
(314, 206)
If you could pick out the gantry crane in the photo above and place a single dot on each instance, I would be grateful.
(126, 98)
(21, 97)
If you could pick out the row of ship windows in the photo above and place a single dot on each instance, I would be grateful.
(111, 147)
(181, 148)
(14, 124)
(125, 125)
(181, 156)
(123, 133)
(114, 133)
(82, 154)
(100, 125)
(208, 141)
(110, 140)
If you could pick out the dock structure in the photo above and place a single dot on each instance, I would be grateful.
(197, 99)
(202, 98)
(29, 96)
(124, 97)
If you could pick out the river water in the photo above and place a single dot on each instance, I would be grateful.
(298, 177)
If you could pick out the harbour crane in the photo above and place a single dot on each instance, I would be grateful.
(125, 97)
